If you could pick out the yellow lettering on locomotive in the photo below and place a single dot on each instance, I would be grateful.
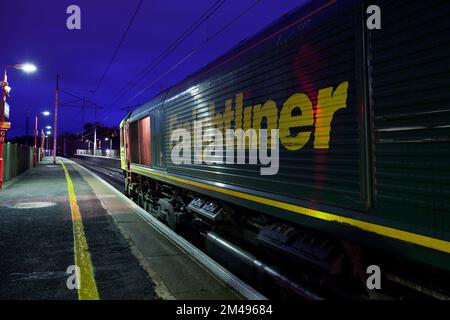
(248, 118)
(297, 102)
(238, 111)
(268, 112)
(296, 120)
(216, 118)
(228, 115)
(328, 103)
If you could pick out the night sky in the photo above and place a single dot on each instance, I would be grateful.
(35, 31)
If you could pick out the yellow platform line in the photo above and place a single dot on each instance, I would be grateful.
(88, 286)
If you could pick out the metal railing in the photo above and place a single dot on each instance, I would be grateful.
(98, 153)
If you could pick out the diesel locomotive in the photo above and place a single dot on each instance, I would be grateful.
(361, 121)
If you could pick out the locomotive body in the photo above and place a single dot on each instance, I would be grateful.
(363, 120)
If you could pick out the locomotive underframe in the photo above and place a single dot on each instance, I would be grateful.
(272, 254)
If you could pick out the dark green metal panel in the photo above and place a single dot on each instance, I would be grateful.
(410, 69)
(318, 48)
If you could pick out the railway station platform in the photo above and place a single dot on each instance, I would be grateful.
(66, 234)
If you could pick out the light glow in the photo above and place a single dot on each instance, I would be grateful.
(28, 67)
(46, 113)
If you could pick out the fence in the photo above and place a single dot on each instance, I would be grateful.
(98, 153)
(16, 160)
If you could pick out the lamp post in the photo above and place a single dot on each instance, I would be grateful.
(35, 140)
(89, 144)
(46, 114)
(42, 155)
(95, 141)
(47, 135)
(27, 68)
(110, 142)
(109, 151)
(55, 129)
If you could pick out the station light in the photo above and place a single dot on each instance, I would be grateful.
(48, 133)
(48, 127)
(46, 113)
(27, 67)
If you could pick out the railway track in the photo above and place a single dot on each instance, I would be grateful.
(107, 168)
(279, 276)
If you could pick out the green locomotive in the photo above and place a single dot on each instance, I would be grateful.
(362, 125)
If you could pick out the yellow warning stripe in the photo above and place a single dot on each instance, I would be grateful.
(410, 237)
(88, 287)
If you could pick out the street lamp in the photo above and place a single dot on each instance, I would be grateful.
(42, 154)
(47, 135)
(45, 114)
(110, 143)
(89, 144)
(27, 68)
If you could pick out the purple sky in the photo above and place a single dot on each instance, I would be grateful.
(35, 31)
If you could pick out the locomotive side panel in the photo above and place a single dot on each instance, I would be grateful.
(304, 81)
(410, 59)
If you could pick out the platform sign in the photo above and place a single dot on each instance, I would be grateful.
(5, 125)
(2, 136)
